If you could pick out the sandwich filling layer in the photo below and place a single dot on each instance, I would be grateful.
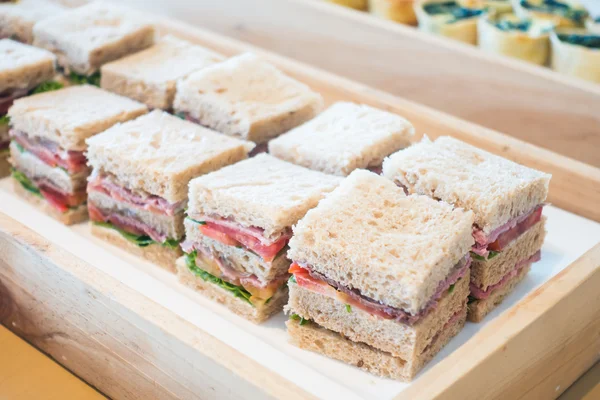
(132, 205)
(308, 278)
(479, 294)
(488, 245)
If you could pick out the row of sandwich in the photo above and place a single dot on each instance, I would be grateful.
(558, 33)
(230, 174)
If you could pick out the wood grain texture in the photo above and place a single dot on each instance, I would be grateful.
(525, 101)
(575, 186)
(26, 373)
(533, 351)
(118, 341)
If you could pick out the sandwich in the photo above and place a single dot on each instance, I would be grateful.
(380, 279)
(18, 18)
(138, 189)
(48, 133)
(149, 76)
(87, 37)
(343, 138)
(247, 98)
(506, 199)
(23, 70)
(237, 228)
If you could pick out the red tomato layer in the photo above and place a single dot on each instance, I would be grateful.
(74, 162)
(233, 237)
(505, 238)
(61, 201)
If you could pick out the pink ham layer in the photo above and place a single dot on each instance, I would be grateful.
(482, 239)
(482, 295)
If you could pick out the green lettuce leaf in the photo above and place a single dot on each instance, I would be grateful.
(296, 317)
(491, 255)
(25, 182)
(79, 79)
(292, 279)
(4, 120)
(140, 240)
(47, 86)
(237, 291)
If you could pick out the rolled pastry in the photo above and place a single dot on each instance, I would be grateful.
(576, 52)
(498, 7)
(564, 13)
(362, 5)
(526, 39)
(396, 10)
(593, 25)
(449, 18)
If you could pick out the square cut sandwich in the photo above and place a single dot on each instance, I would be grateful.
(48, 133)
(139, 185)
(246, 97)
(18, 18)
(150, 75)
(343, 138)
(87, 37)
(237, 229)
(506, 199)
(23, 69)
(380, 279)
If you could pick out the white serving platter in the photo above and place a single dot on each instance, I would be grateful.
(569, 236)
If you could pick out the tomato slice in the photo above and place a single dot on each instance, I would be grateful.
(55, 200)
(95, 214)
(232, 237)
(506, 237)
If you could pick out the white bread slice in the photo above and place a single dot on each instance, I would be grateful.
(34, 168)
(494, 188)
(323, 341)
(70, 217)
(490, 272)
(478, 309)
(71, 115)
(262, 191)
(86, 37)
(18, 18)
(368, 235)
(398, 339)
(241, 259)
(160, 153)
(156, 253)
(343, 138)
(150, 76)
(246, 97)
(23, 66)
(256, 314)
(172, 226)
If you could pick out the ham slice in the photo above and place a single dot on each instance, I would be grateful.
(51, 153)
(150, 203)
(127, 224)
(312, 280)
(255, 232)
(480, 294)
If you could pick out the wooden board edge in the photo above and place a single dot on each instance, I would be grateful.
(536, 349)
(452, 45)
(35, 252)
(575, 185)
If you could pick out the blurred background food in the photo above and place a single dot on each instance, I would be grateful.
(561, 34)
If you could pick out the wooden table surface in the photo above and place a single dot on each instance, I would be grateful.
(26, 373)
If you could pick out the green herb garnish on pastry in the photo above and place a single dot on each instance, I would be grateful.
(576, 52)
(563, 13)
(450, 19)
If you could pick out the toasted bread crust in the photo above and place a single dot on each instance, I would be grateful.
(490, 272)
(156, 253)
(4, 165)
(68, 218)
(323, 341)
(478, 309)
(256, 314)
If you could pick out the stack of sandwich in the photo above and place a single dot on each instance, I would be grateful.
(380, 251)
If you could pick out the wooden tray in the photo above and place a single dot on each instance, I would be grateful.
(126, 327)
(525, 101)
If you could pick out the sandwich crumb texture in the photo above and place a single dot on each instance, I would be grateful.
(23, 66)
(494, 188)
(368, 235)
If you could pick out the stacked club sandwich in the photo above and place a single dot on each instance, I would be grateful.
(87, 37)
(141, 169)
(48, 133)
(343, 138)
(150, 76)
(238, 226)
(380, 279)
(246, 97)
(506, 199)
(23, 69)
